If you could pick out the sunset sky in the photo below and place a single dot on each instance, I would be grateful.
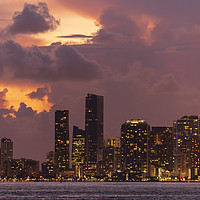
(143, 56)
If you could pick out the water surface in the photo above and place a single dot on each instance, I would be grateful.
(99, 190)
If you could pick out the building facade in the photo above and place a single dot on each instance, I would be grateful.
(93, 133)
(62, 140)
(78, 147)
(134, 149)
(187, 147)
(23, 168)
(161, 150)
(48, 167)
(6, 154)
(112, 155)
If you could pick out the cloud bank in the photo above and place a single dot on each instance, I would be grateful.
(46, 64)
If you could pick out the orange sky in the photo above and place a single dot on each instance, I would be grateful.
(17, 94)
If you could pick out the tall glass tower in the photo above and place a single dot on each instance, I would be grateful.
(93, 132)
(62, 140)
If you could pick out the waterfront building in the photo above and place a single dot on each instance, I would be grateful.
(160, 151)
(6, 154)
(78, 147)
(62, 140)
(134, 149)
(48, 170)
(48, 167)
(23, 168)
(112, 155)
(187, 147)
(93, 133)
(161, 147)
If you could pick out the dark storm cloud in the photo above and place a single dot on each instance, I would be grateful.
(53, 63)
(174, 21)
(75, 36)
(116, 28)
(178, 11)
(33, 19)
(39, 94)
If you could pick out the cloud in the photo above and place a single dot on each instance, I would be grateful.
(3, 101)
(147, 78)
(46, 64)
(158, 23)
(39, 94)
(3, 20)
(116, 27)
(32, 20)
(166, 84)
(75, 36)
(25, 111)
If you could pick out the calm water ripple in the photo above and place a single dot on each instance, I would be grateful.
(100, 190)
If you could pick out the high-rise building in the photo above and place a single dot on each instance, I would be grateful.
(160, 150)
(62, 140)
(93, 133)
(187, 146)
(112, 155)
(6, 154)
(78, 151)
(78, 147)
(134, 149)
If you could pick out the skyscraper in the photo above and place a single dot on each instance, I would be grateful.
(6, 154)
(93, 132)
(134, 149)
(162, 146)
(78, 151)
(78, 147)
(187, 147)
(62, 140)
(161, 151)
(112, 155)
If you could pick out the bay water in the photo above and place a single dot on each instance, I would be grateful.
(100, 190)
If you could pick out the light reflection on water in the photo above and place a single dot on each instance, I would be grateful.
(99, 190)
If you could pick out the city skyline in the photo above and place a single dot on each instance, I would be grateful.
(142, 153)
(142, 56)
(62, 119)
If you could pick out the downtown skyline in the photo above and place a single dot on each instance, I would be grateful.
(143, 57)
(141, 153)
